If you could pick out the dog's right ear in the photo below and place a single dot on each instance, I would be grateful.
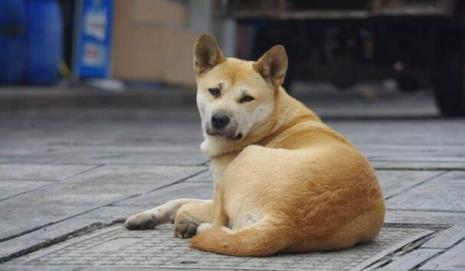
(207, 54)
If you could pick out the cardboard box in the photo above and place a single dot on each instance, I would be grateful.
(151, 43)
(170, 14)
(178, 57)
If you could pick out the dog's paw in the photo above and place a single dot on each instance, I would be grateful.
(204, 227)
(140, 221)
(185, 229)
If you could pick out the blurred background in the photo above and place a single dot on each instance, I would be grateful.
(360, 58)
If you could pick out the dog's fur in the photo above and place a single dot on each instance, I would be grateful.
(283, 180)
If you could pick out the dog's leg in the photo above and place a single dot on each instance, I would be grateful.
(195, 217)
(190, 216)
(165, 213)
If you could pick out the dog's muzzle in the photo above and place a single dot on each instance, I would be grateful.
(220, 125)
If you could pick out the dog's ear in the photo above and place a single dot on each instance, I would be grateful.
(207, 54)
(273, 65)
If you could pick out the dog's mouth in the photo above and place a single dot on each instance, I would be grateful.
(224, 134)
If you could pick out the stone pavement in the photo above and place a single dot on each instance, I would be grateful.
(67, 177)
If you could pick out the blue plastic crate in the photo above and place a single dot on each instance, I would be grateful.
(13, 43)
(44, 41)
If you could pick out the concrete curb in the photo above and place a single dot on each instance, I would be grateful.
(81, 97)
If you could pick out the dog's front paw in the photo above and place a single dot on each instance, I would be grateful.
(185, 229)
(204, 227)
(141, 221)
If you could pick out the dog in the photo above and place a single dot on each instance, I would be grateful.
(284, 182)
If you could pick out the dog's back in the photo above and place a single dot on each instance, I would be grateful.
(306, 189)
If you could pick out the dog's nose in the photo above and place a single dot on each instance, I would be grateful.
(220, 120)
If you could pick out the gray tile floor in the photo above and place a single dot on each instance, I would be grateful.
(118, 247)
(66, 175)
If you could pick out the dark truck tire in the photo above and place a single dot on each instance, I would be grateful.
(449, 78)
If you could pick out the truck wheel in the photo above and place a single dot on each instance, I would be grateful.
(449, 79)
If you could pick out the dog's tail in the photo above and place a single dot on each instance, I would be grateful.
(260, 239)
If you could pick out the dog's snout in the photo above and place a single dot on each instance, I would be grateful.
(220, 120)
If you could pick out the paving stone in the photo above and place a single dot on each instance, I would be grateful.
(386, 155)
(158, 248)
(419, 159)
(424, 217)
(394, 144)
(9, 188)
(44, 235)
(418, 165)
(100, 139)
(26, 215)
(410, 260)
(422, 133)
(88, 191)
(40, 172)
(390, 151)
(446, 238)
(111, 154)
(113, 212)
(401, 106)
(135, 158)
(32, 157)
(205, 177)
(408, 144)
(452, 259)
(84, 268)
(103, 215)
(183, 190)
(395, 181)
(444, 193)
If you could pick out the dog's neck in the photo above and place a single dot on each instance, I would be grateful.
(287, 112)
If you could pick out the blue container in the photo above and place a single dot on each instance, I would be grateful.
(12, 41)
(45, 41)
(92, 51)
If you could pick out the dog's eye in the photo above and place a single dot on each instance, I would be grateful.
(215, 92)
(246, 98)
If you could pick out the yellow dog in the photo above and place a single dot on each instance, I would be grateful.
(283, 180)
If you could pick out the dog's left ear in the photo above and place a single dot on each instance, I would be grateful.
(207, 54)
(273, 65)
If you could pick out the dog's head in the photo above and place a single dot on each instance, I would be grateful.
(235, 97)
